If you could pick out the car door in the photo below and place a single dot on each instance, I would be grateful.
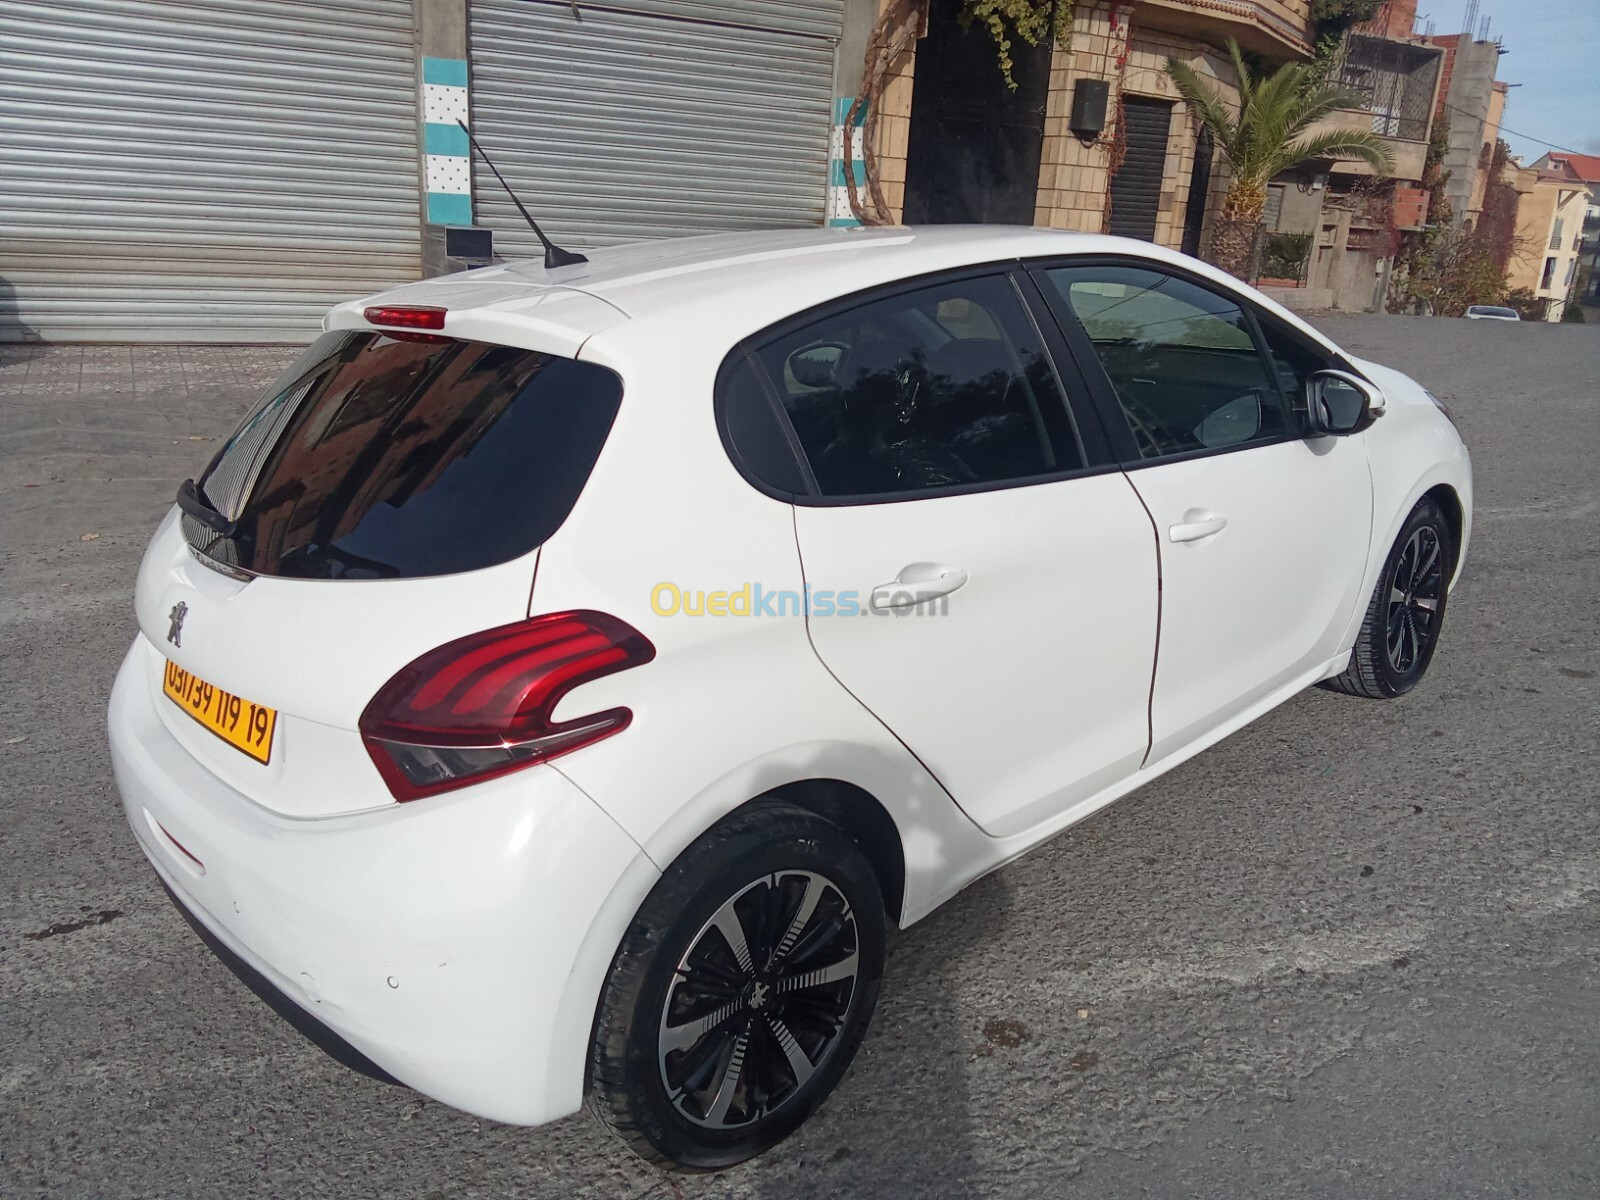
(1263, 532)
(987, 597)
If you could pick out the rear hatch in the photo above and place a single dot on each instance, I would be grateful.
(387, 495)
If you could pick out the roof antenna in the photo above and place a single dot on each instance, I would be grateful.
(554, 255)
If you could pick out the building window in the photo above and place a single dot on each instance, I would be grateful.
(1555, 235)
(1572, 270)
(1272, 213)
(1549, 274)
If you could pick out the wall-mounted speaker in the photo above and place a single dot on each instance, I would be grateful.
(1089, 107)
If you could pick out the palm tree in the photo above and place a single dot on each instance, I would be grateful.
(1267, 137)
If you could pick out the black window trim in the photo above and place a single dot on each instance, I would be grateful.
(1070, 382)
(1269, 321)
(742, 355)
(1124, 448)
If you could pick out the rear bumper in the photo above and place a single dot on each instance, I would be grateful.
(457, 943)
(324, 1038)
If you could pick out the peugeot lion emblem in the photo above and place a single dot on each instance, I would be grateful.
(175, 627)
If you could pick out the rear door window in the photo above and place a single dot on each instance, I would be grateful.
(945, 387)
(377, 457)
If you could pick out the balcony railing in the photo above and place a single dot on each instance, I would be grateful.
(1275, 28)
(1395, 81)
(1410, 154)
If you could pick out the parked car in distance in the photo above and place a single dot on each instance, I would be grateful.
(564, 676)
(1491, 312)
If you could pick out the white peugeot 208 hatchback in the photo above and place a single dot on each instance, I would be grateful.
(564, 676)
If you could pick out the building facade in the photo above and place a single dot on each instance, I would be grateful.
(1549, 236)
(183, 171)
(1351, 216)
(1470, 103)
(1094, 137)
(1584, 170)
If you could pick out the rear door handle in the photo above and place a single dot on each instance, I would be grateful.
(1197, 523)
(917, 583)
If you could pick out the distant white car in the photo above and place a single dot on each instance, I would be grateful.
(563, 675)
(1491, 312)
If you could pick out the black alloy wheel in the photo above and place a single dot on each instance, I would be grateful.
(1400, 630)
(741, 991)
(1416, 600)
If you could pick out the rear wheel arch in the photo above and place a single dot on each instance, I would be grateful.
(867, 823)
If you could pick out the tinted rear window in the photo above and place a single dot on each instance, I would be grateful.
(378, 458)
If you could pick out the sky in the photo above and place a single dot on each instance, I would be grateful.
(1553, 51)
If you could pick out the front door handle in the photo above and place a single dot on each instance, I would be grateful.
(917, 583)
(1197, 523)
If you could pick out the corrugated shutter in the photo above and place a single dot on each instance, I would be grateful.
(1136, 187)
(634, 121)
(202, 170)
(819, 18)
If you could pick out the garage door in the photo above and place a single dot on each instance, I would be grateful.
(202, 170)
(623, 122)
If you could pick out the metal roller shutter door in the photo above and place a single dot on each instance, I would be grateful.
(1136, 188)
(202, 170)
(652, 119)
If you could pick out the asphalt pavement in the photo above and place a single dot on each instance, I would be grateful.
(1350, 952)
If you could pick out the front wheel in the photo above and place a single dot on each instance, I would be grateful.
(1401, 629)
(741, 990)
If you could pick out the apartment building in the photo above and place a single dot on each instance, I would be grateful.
(1353, 216)
(1582, 169)
(1551, 208)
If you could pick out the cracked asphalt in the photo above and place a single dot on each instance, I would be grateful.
(1352, 951)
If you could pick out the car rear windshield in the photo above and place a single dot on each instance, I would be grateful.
(376, 457)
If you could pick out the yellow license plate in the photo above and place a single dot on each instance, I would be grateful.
(241, 723)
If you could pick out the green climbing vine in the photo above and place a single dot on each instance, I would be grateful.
(1031, 20)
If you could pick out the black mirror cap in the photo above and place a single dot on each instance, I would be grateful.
(1339, 403)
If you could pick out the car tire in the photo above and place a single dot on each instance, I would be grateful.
(1401, 628)
(704, 1054)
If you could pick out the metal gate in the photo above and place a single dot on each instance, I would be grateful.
(202, 170)
(625, 121)
(1136, 187)
(975, 143)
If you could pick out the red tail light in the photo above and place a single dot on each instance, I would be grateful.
(414, 316)
(481, 706)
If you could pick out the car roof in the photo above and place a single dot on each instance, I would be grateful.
(737, 283)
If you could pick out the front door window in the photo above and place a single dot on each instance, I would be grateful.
(1181, 359)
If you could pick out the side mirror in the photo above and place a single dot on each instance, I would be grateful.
(817, 366)
(1339, 403)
